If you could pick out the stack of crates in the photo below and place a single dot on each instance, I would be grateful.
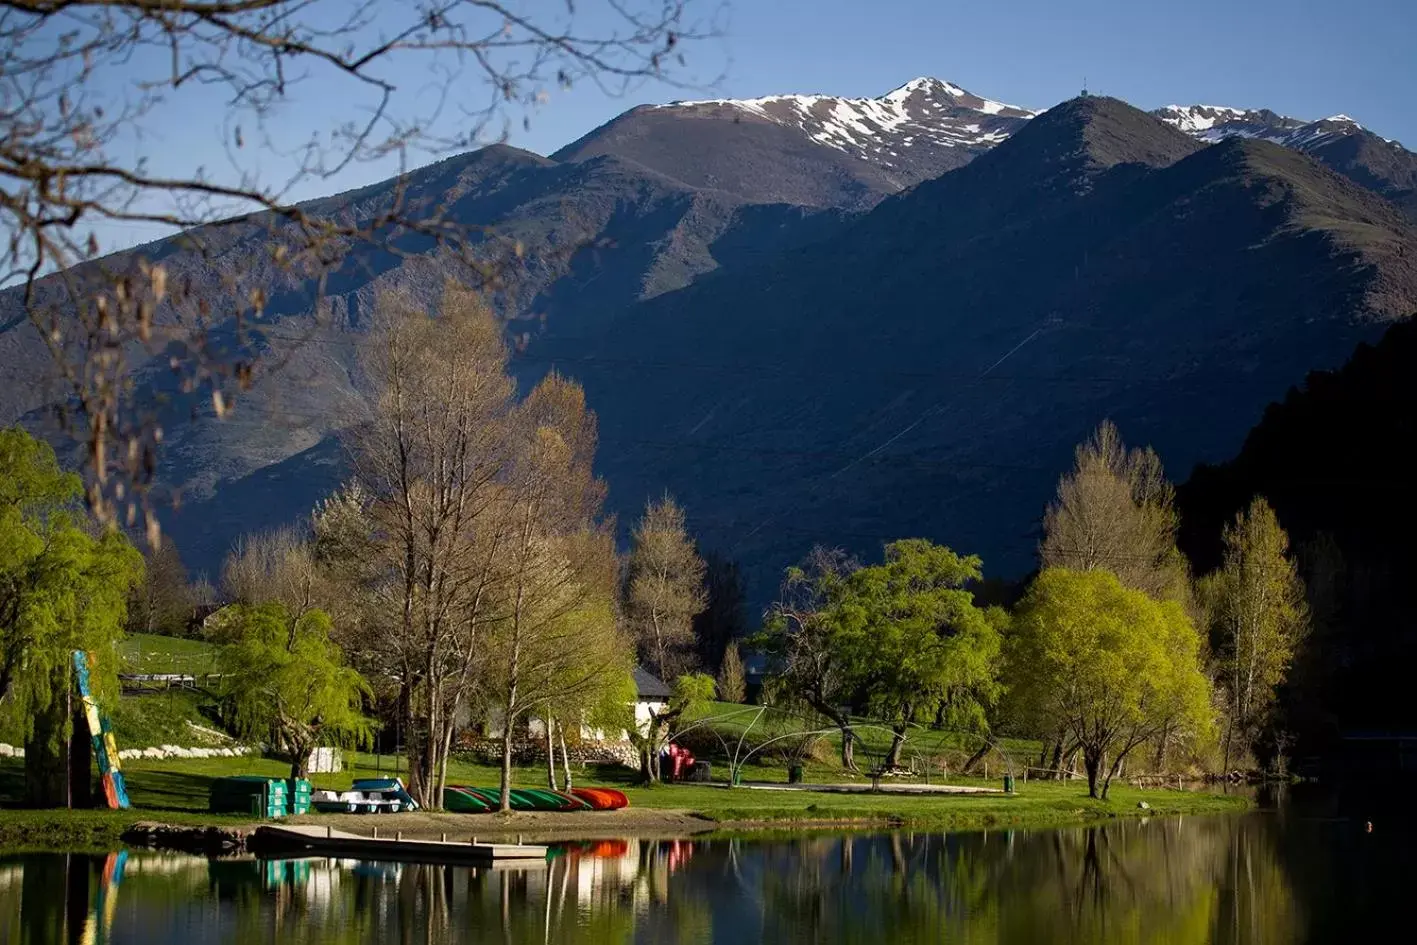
(298, 794)
(265, 798)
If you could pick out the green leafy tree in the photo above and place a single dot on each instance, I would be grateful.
(286, 683)
(919, 645)
(1108, 666)
(64, 586)
(731, 685)
(1258, 616)
(799, 638)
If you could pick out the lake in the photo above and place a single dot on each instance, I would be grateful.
(1310, 874)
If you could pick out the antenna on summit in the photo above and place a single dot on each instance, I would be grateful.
(1084, 87)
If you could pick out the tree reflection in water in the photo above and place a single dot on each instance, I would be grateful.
(1159, 881)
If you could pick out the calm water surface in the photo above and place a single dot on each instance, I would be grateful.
(1280, 877)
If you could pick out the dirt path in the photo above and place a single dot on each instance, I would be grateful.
(532, 826)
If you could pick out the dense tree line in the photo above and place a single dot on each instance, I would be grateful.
(467, 570)
(1334, 462)
(1112, 652)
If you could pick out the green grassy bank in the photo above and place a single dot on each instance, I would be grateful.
(175, 791)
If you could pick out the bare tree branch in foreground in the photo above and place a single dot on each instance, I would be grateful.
(86, 87)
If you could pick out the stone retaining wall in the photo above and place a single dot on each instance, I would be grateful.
(488, 751)
(156, 751)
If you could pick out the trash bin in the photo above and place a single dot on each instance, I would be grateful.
(1008, 784)
(794, 774)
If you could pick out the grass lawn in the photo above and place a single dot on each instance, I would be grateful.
(148, 653)
(767, 735)
(175, 791)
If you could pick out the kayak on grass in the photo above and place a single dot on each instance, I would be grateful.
(477, 800)
(602, 798)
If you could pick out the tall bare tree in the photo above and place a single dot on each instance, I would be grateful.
(560, 642)
(87, 86)
(163, 602)
(275, 565)
(1258, 613)
(432, 454)
(1115, 511)
(664, 589)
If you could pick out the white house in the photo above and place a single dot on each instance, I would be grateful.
(652, 695)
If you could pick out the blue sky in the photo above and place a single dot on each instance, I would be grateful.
(1299, 57)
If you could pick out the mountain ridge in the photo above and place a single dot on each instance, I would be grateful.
(1083, 263)
(1176, 297)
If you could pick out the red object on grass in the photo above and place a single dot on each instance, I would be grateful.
(602, 798)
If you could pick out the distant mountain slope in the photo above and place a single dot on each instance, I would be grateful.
(769, 314)
(815, 150)
(1377, 163)
(928, 370)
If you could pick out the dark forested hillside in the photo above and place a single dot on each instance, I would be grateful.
(1335, 459)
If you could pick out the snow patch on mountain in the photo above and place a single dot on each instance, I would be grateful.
(922, 112)
(1194, 119)
(1218, 122)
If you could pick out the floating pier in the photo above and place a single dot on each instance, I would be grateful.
(326, 841)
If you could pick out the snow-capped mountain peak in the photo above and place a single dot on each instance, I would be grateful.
(1194, 119)
(1218, 122)
(924, 113)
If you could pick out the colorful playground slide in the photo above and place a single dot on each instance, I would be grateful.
(105, 749)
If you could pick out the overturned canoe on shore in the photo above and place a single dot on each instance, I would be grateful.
(476, 800)
(602, 798)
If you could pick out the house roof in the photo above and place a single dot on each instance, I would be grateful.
(649, 686)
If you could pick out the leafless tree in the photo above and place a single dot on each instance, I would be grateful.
(433, 454)
(274, 565)
(664, 589)
(1115, 511)
(85, 85)
(163, 603)
(560, 645)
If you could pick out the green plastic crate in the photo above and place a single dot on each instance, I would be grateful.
(250, 794)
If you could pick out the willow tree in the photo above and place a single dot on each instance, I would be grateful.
(664, 589)
(430, 453)
(1108, 666)
(1258, 616)
(1115, 511)
(286, 683)
(799, 637)
(917, 644)
(64, 586)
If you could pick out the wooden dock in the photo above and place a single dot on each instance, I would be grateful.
(326, 841)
